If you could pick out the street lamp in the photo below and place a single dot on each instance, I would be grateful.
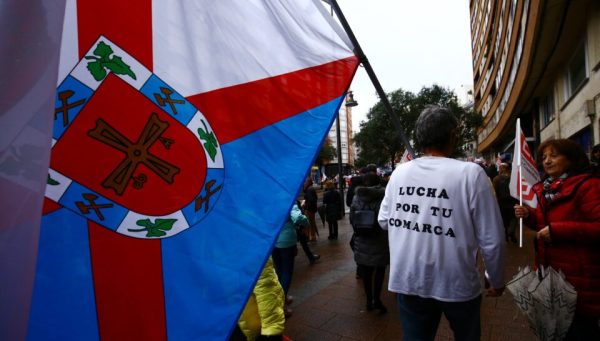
(350, 102)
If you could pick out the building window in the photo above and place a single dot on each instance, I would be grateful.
(576, 71)
(547, 109)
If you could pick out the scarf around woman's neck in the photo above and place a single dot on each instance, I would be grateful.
(552, 186)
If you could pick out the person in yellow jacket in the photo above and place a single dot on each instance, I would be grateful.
(263, 317)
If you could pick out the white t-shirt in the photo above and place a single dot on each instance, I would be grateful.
(438, 212)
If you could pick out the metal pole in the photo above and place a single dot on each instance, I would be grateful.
(339, 156)
(365, 62)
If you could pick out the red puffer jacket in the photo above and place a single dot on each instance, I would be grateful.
(574, 219)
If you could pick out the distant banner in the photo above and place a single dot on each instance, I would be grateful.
(524, 168)
(405, 157)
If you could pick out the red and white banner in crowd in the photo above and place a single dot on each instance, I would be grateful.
(405, 157)
(524, 172)
(523, 176)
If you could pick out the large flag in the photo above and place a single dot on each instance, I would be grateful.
(524, 169)
(183, 131)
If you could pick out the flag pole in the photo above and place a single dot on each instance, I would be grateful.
(365, 62)
(520, 162)
(520, 204)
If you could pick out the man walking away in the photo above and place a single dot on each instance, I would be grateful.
(439, 212)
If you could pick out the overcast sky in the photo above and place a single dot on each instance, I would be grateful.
(410, 44)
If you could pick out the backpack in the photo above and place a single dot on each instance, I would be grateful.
(364, 221)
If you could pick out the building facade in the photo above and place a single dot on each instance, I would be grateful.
(346, 144)
(537, 60)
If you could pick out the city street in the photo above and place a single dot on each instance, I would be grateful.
(329, 302)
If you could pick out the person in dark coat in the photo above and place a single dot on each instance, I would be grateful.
(506, 202)
(333, 205)
(309, 207)
(567, 221)
(491, 171)
(355, 181)
(371, 250)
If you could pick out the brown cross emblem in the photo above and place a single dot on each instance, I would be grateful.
(167, 99)
(66, 106)
(85, 209)
(136, 152)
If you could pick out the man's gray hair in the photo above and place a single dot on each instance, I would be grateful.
(435, 127)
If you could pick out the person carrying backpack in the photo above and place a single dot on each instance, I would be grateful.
(371, 249)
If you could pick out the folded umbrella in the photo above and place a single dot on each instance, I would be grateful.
(546, 298)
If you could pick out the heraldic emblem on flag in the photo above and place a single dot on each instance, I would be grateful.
(183, 131)
(124, 199)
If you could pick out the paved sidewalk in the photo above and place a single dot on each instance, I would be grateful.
(329, 301)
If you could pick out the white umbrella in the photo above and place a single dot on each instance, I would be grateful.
(547, 299)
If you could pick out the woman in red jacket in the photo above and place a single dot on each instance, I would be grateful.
(567, 221)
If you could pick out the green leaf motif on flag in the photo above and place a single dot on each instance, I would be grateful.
(156, 228)
(102, 60)
(51, 181)
(210, 143)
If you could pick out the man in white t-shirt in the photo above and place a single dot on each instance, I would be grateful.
(439, 212)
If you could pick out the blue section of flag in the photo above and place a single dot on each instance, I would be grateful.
(214, 184)
(93, 206)
(63, 296)
(161, 94)
(224, 254)
(74, 94)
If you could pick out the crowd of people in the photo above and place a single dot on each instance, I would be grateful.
(432, 218)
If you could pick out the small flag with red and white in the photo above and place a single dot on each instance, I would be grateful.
(525, 170)
(405, 157)
(523, 176)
